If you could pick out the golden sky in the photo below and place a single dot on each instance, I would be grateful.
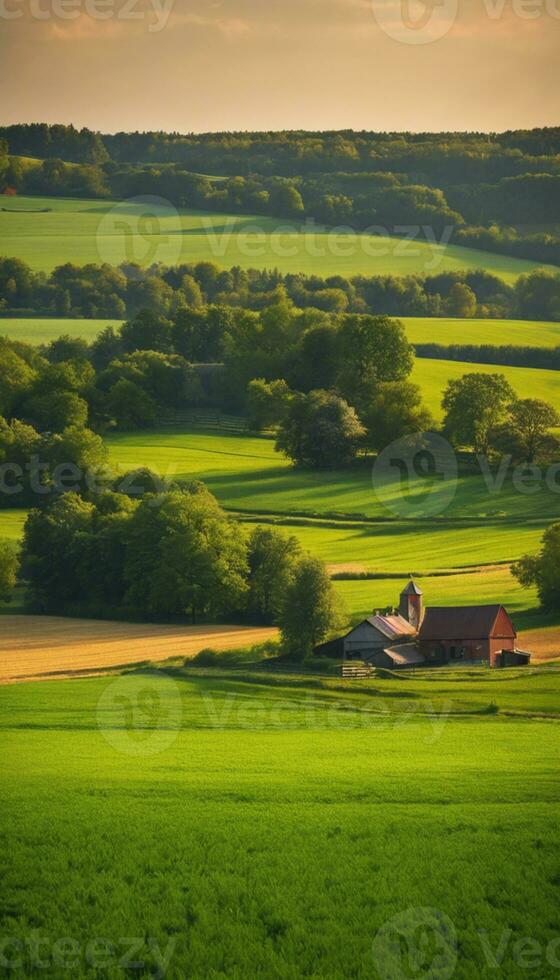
(190, 65)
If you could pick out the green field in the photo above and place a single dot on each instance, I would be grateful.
(478, 528)
(82, 231)
(247, 474)
(389, 546)
(463, 588)
(41, 330)
(268, 827)
(397, 549)
(501, 333)
(11, 524)
(434, 375)
(420, 330)
(405, 547)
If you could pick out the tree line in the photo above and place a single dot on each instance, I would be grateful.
(166, 555)
(513, 356)
(117, 292)
(459, 157)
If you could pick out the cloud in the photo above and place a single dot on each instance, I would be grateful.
(229, 27)
(85, 28)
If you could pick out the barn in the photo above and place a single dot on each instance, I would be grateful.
(413, 636)
(480, 634)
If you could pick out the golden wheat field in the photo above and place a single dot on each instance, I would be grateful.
(43, 647)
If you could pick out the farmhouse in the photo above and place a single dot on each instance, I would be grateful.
(414, 636)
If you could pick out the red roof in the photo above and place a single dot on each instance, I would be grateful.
(464, 622)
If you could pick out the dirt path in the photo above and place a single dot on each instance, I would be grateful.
(48, 647)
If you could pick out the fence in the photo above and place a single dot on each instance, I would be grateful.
(356, 670)
(206, 420)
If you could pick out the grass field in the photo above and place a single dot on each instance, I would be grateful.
(479, 528)
(420, 330)
(247, 474)
(475, 560)
(82, 231)
(234, 826)
(449, 330)
(41, 330)
(537, 633)
(396, 547)
(434, 375)
(11, 524)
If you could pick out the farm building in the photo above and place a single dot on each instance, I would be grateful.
(373, 638)
(471, 633)
(413, 636)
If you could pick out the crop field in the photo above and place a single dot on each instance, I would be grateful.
(44, 647)
(241, 826)
(41, 330)
(82, 231)
(501, 333)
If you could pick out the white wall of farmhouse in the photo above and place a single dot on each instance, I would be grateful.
(364, 640)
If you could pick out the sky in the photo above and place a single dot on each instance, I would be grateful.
(210, 65)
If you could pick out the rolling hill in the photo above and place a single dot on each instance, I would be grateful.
(46, 232)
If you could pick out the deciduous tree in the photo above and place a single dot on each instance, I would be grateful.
(473, 405)
(311, 611)
(320, 430)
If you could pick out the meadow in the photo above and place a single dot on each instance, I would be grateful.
(396, 547)
(247, 475)
(463, 587)
(82, 231)
(11, 524)
(419, 330)
(41, 330)
(240, 825)
(434, 375)
(457, 564)
(338, 517)
(501, 333)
